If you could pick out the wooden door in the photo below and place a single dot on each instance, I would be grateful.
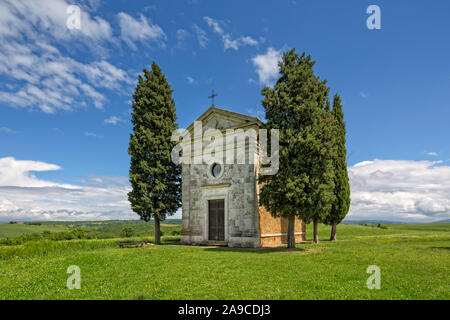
(216, 213)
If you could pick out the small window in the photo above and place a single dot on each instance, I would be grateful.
(216, 169)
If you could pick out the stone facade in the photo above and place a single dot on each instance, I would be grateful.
(245, 223)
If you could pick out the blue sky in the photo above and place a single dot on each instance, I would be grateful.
(65, 94)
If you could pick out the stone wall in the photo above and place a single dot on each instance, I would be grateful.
(246, 225)
(274, 230)
(237, 186)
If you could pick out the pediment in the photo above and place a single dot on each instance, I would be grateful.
(221, 119)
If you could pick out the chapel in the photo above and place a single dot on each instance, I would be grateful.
(219, 198)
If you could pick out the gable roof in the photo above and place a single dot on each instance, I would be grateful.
(243, 119)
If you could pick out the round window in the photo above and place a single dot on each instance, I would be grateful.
(216, 169)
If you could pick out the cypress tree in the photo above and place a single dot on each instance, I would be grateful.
(155, 179)
(341, 205)
(297, 106)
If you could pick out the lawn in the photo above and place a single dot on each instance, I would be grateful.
(414, 262)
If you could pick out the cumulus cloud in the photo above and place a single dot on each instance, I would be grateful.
(142, 30)
(38, 74)
(400, 190)
(14, 173)
(228, 41)
(19, 18)
(54, 82)
(266, 65)
(23, 196)
(432, 153)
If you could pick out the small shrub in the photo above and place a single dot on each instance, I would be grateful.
(79, 233)
(6, 242)
(127, 232)
(46, 233)
(105, 236)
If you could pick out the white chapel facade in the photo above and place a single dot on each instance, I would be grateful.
(220, 199)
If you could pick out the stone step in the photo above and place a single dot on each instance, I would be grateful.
(217, 243)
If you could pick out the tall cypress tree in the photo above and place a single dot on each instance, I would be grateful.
(297, 106)
(155, 179)
(341, 205)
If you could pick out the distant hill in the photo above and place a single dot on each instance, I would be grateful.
(358, 222)
(93, 222)
(95, 229)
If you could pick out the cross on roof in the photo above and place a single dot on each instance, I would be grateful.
(212, 97)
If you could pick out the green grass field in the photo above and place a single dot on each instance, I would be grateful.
(414, 262)
(15, 230)
(94, 229)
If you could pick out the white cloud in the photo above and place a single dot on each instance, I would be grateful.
(142, 30)
(363, 95)
(228, 41)
(7, 130)
(432, 153)
(400, 190)
(182, 35)
(25, 197)
(104, 74)
(201, 36)
(150, 7)
(113, 120)
(248, 41)
(92, 134)
(19, 18)
(190, 80)
(55, 82)
(14, 173)
(267, 65)
(214, 24)
(38, 74)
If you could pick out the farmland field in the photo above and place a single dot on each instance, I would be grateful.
(414, 261)
(92, 229)
(15, 230)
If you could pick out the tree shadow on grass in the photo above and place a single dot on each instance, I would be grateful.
(170, 241)
(442, 248)
(254, 250)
